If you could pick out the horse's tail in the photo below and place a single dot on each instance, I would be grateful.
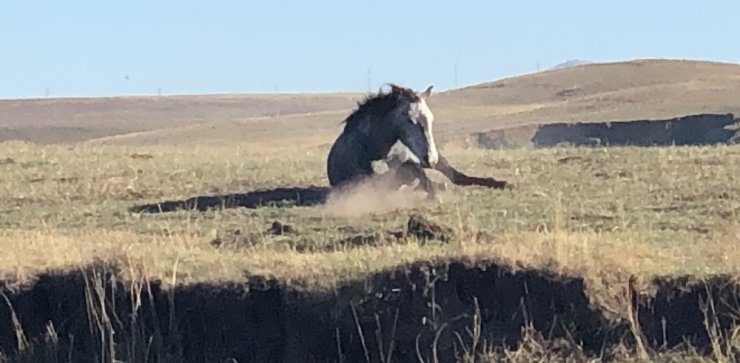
(298, 196)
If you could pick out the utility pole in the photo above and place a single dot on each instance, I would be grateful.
(369, 79)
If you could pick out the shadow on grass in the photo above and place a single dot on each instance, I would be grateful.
(297, 196)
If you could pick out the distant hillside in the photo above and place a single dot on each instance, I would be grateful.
(571, 63)
(634, 90)
(640, 89)
(78, 119)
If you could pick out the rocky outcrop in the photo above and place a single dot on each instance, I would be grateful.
(700, 129)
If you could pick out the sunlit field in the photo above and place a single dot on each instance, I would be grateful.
(605, 215)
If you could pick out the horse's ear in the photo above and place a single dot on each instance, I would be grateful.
(395, 89)
(383, 88)
(427, 92)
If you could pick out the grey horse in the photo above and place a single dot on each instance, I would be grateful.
(389, 134)
(392, 132)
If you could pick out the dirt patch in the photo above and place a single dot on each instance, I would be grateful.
(727, 194)
(279, 228)
(591, 221)
(573, 159)
(236, 239)
(372, 239)
(402, 314)
(696, 228)
(417, 226)
(424, 229)
(141, 156)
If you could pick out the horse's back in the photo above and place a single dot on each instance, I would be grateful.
(346, 161)
(338, 165)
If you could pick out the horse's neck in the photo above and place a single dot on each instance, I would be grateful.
(375, 138)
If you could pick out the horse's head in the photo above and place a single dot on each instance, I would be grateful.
(415, 127)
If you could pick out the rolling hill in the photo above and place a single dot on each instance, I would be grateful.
(639, 89)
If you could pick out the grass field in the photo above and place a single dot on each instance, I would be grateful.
(605, 215)
(596, 232)
(639, 89)
(676, 207)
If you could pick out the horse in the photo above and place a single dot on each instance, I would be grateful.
(389, 134)
(392, 133)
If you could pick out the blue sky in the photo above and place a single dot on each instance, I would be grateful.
(104, 48)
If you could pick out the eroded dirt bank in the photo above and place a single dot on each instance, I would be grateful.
(402, 315)
(698, 129)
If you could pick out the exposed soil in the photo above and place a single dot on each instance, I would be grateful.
(396, 315)
(691, 129)
(424, 229)
(417, 226)
(699, 129)
(279, 228)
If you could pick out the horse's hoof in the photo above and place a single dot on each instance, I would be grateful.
(411, 186)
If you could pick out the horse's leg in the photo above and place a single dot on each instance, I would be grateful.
(458, 178)
(408, 172)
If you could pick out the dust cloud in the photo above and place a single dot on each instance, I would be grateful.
(372, 196)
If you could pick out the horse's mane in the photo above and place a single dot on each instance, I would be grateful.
(382, 102)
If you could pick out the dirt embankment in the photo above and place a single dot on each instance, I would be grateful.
(397, 315)
(700, 129)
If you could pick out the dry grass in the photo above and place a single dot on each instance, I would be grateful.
(594, 92)
(606, 215)
(59, 120)
(587, 212)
